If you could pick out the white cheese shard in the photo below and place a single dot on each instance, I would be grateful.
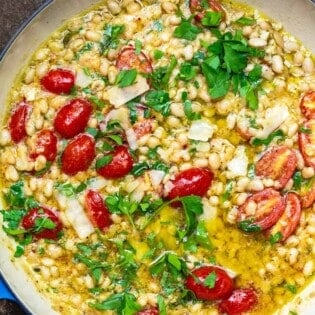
(274, 118)
(200, 130)
(156, 177)
(82, 80)
(119, 96)
(76, 215)
(238, 165)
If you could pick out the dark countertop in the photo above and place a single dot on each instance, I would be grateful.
(13, 14)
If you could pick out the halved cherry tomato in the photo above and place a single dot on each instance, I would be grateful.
(307, 196)
(78, 154)
(290, 218)
(128, 59)
(46, 145)
(194, 181)
(149, 311)
(197, 8)
(120, 165)
(18, 121)
(143, 127)
(97, 210)
(34, 220)
(241, 300)
(307, 142)
(58, 81)
(269, 206)
(222, 286)
(307, 105)
(279, 164)
(73, 117)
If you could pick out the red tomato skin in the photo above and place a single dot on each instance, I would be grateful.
(128, 59)
(143, 127)
(97, 210)
(120, 165)
(279, 164)
(194, 181)
(45, 145)
(262, 198)
(307, 105)
(223, 284)
(58, 81)
(195, 7)
(290, 218)
(17, 123)
(241, 300)
(149, 311)
(28, 222)
(73, 117)
(78, 154)
(305, 139)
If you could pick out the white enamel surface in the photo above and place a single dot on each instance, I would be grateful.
(297, 16)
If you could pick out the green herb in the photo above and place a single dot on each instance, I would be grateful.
(248, 226)
(152, 153)
(111, 37)
(275, 238)
(43, 223)
(245, 21)
(161, 305)
(44, 169)
(123, 303)
(305, 130)
(189, 112)
(140, 168)
(227, 193)
(210, 280)
(138, 46)
(15, 196)
(291, 287)
(251, 171)
(275, 134)
(19, 251)
(160, 166)
(158, 100)
(187, 30)
(211, 18)
(187, 71)
(170, 261)
(103, 161)
(99, 103)
(293, 313)
(69, 190)
(158, 54)
(126, 77)
(200, 237)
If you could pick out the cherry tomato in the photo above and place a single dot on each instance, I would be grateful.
(143, 127)
(128, 59)
(46, 145)
(222, 287)
(197, 8)
(307, 142)
(290, 218)
(120, 165)
(18, 121)
(78, 154)
(279, 164)
(149, 311)
(97, 210)
(241, 300)
(307, 105)
(194, 181)
(34, 219)
(58, 81)
(268, 205)
(73, 117)
(308, 196)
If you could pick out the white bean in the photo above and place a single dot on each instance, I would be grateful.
(277, 64)
(257, 42)
(308, 65)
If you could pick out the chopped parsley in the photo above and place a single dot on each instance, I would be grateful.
(126, 77)
(187, 30)
(210, 280)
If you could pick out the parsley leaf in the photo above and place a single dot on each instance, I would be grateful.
(274, 238)
(291, 287)
(248, 226)
(275, 134)
(187, 30)
(158, 100)
(126, 77)
(210, 280)
(245, 21)
(111, 37)
(211, 18)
